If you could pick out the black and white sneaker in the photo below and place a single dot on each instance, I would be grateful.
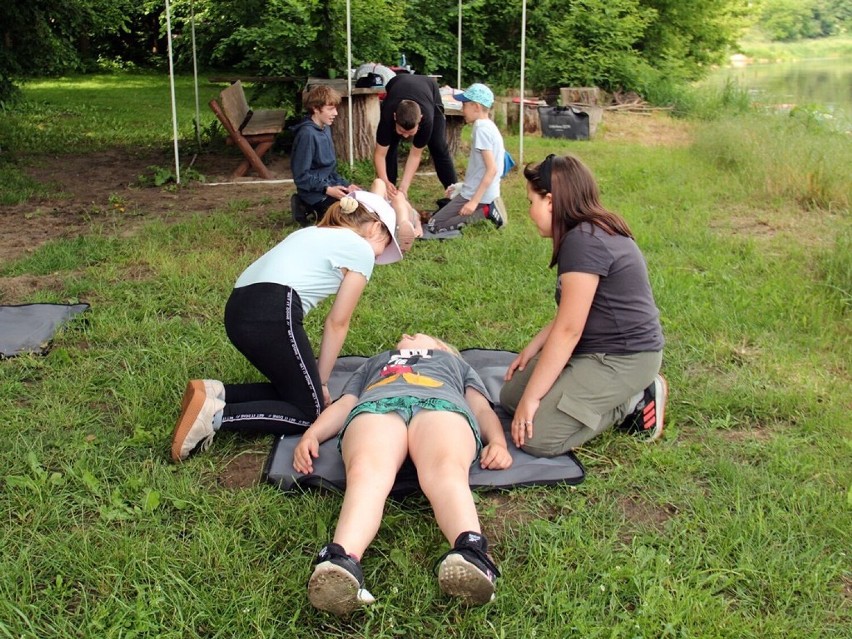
(493, 215)
(337, 583)
(302, 214)
(646, 420)
(498, 213)
(467, 571)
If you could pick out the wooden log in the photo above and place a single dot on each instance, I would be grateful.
(589, 96)
(455, 124)
(365, 118)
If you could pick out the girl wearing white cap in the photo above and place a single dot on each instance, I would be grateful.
(263, 320)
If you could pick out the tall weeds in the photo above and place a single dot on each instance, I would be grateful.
(782, 157)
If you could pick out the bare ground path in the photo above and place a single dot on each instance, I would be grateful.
(106, 187)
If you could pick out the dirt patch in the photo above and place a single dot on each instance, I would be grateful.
(641, 514)
(111, 189)
(651, 128)
(104, 189)
(243, 471)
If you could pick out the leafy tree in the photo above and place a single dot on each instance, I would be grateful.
(686, 37)
(590, 43)
(789, 20)
(54, 36)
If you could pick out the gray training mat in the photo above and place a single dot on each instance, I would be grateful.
(28, 328)
(491, 365)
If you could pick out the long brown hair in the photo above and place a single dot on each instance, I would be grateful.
(576, 198)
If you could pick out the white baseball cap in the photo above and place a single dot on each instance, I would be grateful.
(378, 205)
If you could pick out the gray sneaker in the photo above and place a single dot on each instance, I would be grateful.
(194, 428)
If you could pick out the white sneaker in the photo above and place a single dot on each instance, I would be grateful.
(212, 388)
(194, 428)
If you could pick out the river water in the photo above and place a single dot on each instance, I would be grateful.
(824, 85)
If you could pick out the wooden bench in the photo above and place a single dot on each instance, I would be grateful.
(254, 132)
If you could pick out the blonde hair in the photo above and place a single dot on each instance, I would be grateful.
(349, 213)
(447, 347)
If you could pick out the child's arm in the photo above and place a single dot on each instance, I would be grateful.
(337, 324)
(495, 454)
(328, 424)
(490, 173)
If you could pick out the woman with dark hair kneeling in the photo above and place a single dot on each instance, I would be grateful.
(596, 364)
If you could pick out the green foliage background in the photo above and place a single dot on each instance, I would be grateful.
(610, 43)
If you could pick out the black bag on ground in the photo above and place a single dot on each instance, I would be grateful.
(564, 122)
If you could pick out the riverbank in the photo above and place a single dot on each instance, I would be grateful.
(757, 51)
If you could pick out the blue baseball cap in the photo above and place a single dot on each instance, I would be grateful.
(477, 93)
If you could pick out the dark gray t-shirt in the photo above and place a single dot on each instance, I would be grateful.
(424, 374)
(624, 318)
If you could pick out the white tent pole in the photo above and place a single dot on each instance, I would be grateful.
(349, 81)
(459, 64)
(195, 76)
(172, 86)
(523, 65)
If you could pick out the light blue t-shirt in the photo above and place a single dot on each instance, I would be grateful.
(485, 137)
(309, 261)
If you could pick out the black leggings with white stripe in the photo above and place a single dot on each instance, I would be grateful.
(264, 322)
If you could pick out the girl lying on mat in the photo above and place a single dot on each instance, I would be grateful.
(421, 399)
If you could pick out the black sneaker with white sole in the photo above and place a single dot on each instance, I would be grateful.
(302, 214)
(337, 583)
(647, 419)
(467, 571)
(494, 216)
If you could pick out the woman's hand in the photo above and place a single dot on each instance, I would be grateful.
(522, 421)
(307, 450)
(521, 361)
(495, 457)
(326, 395)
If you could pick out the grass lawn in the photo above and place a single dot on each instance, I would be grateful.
(737, 524)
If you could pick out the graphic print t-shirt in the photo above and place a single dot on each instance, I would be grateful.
(421, 373)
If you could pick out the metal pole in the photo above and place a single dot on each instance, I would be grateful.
(349, 81)
(172, 87)
(459, 64)
(523, 65)
(195, 77)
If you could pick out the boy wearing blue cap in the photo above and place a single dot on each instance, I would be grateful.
(478, 197)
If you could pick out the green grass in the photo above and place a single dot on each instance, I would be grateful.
(737, 524)
(753, 46)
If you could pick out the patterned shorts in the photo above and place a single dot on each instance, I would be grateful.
(407, 407)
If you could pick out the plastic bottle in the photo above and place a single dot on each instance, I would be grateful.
(402, 60)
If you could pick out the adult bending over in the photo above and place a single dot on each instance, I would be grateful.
(413, 109)
(421, 399)
(263, 320)
(596, 363)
